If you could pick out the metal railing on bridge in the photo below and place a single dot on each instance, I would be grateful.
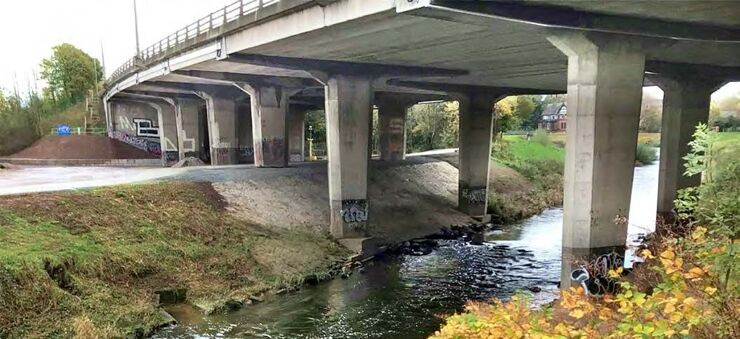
(188, 34)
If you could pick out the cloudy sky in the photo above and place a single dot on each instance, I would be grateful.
(32, 27)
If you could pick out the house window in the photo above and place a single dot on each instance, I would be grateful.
(562, 125)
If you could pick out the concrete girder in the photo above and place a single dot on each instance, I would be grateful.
(561, 17)
(262, 80)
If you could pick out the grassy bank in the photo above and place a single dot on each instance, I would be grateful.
(537, 182)
(88, 263)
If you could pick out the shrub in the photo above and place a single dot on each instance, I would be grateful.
(687, 287)
(646, 154)
(542, 137)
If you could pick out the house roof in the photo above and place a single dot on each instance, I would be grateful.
(553, 109)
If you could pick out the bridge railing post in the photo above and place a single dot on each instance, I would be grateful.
(210, 21)
(225, 16)
(241, 8)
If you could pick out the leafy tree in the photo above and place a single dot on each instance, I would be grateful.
(650, 120)
(506, 117)
(431, 126)
(69, 73)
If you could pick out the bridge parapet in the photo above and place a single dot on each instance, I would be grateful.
(208, 28)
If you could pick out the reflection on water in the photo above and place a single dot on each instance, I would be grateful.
(403, 296)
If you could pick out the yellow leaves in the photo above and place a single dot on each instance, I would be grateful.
(577, 313)
(616, 273)
(710, 290)
(694, 274)
(699, 233)
(689, 301)
(668, 254)
(647, 254)
(669, 308)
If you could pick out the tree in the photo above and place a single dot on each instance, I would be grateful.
(69, 74)
(650, 120)
(432, 126)
(524, 109)
(506, 117)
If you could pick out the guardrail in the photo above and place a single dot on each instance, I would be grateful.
(188, 34)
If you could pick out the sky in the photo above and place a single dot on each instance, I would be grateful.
(32, 27)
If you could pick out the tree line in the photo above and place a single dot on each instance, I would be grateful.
(69, 74)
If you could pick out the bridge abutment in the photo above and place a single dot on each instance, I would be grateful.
(605, 78)
(349, 102)
(245, 132)
(168, 132)
(222, 128)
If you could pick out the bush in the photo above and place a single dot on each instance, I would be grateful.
(542, 137)
(687, 287)
(646, 154)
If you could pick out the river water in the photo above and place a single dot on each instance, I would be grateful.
(405, 296)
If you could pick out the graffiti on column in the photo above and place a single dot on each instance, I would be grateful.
(150, 146)
(146, 128)
(273, 150)
(354, 211)
(474, 195)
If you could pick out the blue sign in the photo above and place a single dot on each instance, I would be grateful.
(64, 130)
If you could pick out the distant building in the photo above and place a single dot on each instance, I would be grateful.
(554, 118)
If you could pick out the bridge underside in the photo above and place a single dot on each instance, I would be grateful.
(242, 96)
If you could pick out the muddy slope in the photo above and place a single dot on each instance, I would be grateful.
(81, 147)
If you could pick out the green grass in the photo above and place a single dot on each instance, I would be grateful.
(89, 261)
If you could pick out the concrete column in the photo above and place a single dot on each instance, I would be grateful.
(348, 113)
(605, 77)
(269, 125)
(189, 138)
(297, 138)
(476, 132)
(246, 139)
(392, 127)
(221, 116)
(167, 132)
(685, 105)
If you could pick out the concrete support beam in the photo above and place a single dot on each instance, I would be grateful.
(685, 105)
(392, 125)
(605, 77)
(348, 113)
(189, 138)
(297, 138)
(476, 132)
(269, 124)
(222, 126)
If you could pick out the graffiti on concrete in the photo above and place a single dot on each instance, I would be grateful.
(595, 279)
(150, 146)
(354, 211)
(146, 128)
(273, 151)
(474, 195)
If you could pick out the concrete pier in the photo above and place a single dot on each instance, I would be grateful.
(348, 111)
(222, 125)
(269, 125)
(188, 137)
(392, 126)
(605, 78)
(245, 133)
(685, 105)
(476, 132)
(296, 133)
(168, 132)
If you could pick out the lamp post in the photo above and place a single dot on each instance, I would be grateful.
(136, 28)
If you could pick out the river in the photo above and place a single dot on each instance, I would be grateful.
(404, 296)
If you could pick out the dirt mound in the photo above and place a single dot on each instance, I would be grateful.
(407, 200)
(81, 147)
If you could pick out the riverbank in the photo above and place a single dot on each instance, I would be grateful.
(90, 262)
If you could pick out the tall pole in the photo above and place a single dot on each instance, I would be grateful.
(136, 27)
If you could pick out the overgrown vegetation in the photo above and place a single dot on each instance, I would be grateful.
(71, 75)
(541, 162)
(646, 154)
(87, 263)
(687, 287)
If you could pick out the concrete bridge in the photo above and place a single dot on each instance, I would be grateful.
(234, 86)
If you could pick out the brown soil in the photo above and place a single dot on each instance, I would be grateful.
(81, 147)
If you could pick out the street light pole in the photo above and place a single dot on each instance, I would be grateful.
(136, 27)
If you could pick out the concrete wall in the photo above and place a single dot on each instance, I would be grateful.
(137, 124)
(244, 133)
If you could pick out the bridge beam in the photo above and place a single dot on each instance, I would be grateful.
(605, 77)
(686, 102)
